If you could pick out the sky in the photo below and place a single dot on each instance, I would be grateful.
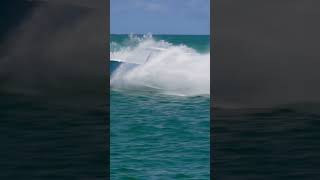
(160, 16)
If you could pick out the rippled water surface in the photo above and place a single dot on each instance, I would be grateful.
(279, 143)
(157, 136)
(160, 109)
(43, 140)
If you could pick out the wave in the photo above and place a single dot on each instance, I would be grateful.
(179, 70)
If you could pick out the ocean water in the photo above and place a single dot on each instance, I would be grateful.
(270, 143)
(160, 112)
(47, 139)
(53, 105)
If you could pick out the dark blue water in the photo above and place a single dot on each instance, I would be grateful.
(45, 140)
(278, 143)
(53, 102)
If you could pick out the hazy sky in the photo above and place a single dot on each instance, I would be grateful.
(160, 16)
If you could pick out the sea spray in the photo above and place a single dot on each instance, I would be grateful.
(177, 70)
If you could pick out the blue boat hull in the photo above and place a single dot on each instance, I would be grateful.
(114, 65)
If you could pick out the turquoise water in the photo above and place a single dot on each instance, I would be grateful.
(156, 134)
(201, 43)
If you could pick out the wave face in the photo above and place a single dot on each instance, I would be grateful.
(180, 70)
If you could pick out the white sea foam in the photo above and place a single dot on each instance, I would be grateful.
(178, 70)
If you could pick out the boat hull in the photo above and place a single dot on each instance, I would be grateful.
(114, 65)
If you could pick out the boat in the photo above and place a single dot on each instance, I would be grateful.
(116, 63)
(132, 62)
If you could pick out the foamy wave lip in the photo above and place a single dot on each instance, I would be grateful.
(178, 70)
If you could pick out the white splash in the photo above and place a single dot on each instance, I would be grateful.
(177, 70)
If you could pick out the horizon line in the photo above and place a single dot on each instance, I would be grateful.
(157, 34)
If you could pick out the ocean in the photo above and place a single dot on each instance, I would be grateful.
(160, 112)
(47, 139)
(266, 143)
(53, 100)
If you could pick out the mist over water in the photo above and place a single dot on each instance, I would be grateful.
(266, 55)
(54, 53)
(177, 70)
(53, 90)
(266, 90)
